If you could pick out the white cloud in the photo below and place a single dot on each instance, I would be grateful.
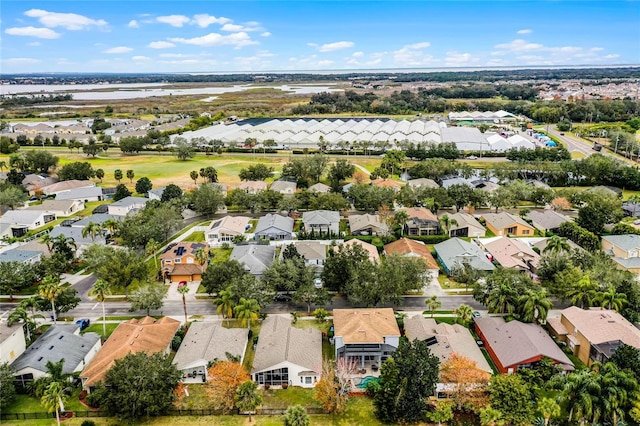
(234, 28)
(455, 59)
(265, 34)
(21, 61)
(140, 58)
(133, 24)
(204, 20)
(413, 55)
(33, 32)
(415, 46)
(160, 45)
(119, 49)
(34, 43)
(518, 45)
(358, 54)
(173, 20)
(525, 31)
(69, 21)
(173, 55)
(213, 39)
(338, 45)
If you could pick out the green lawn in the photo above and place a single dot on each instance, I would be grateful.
(328, 350)
(30, 404)
(97, 328)
(293, 395)
(196, 237)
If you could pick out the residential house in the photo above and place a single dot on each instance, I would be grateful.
(204, 343)
(253, 186)
(593, 335)
(511, 253)
(100, 218)
(156, 193)
(60, 341)
(256, 258)
(506, 224)
(61, 208)
(387, 183)
(547, 220)
(223, 231)
(274, 227)
(34, 182)
(75, 233)
(12, 342)
(514, 344)
(423, 182)
(607, 190)
(367, 224)
(454, 180)
(284, 187)
(287, 355)
(66, 185)
(631, 208)
(320, 188)
(368, 336)
(179, 262)
(370, 249)
(624, 250)
(465, 225)
(421, 222)
(313, 252)
(457, 253)
(321, 222)
(16, 223)
(484, 185)
(147, 334)
(412, 248)
(30, 257)
(127, 205)
(88, 194)
(221, 186)
(445, 339)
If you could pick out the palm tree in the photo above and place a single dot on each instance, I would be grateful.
(446, 222)
(549, 408)
(21, 314)
(247, 397)
(556, 244)
(111, 225)
(100, 289)
(130, 175)
(400, 219)
(50, 289)
(54, 399)
(464, 313)
(183, 289)
(152, 249)
(225, 304)
(611, 299)
(502, 300)
(579, 393)
(46, 240)
(534, 306)
(619, 388)
(247, 310)
(202, 256)
(194, 176)
(93, 229)
(583, 293)
(433, 303)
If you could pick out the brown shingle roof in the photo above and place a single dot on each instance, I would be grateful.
(600, 326)
(405, 246)
(365, 325)
(419, 213)
(369, 248)
(144, 335)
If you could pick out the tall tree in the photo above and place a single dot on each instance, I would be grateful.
(8, 393)
(207, 199)
(464, 313)
(511, 396)
(130, 175)
(534, 306)
(548, 408)
(194, 176)
(433, 304)
(584, 292)
(248, 398)
(612, 299)
(224, 379)
(468, 384)
(92, 229)
(143, 185)
(100, 290)
(556, 244)
(147, 297)
(54, 398)
(117, 175)
(183, 289)
(12, 197)
(246, 311)
(50, 289)
(225, 303)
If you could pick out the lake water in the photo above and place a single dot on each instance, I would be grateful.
(84, 92)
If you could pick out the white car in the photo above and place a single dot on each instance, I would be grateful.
(317, 283)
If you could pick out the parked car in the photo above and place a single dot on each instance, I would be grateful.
(282, 298)
(476, 314)
(83, 323)
(317, 283)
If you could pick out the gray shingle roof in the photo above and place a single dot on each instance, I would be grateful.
(207, 341)
(320, 217)
(95, 218)
(75, 234)
(502, 220)
(18, 255)
(130, 201)
(279, 342)
(255, 257)
(80, 193)
(56, 343)
(547, 219)
(625, 242)
(22, 217)
(276, 221)
(456, 251)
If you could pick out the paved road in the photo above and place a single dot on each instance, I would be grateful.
(573, 143)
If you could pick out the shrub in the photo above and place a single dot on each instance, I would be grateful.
(88, 423)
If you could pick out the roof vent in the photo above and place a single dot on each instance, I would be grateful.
(131, 342)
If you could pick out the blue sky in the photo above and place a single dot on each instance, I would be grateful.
(226, 36)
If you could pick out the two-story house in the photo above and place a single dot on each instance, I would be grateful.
(12, 342)
(368, 336)
(180, 262)
(625, 251)
(321, 222)
(421, 222)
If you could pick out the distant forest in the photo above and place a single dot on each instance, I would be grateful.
(487, 76)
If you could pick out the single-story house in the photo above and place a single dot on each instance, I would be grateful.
(593, 335)
(321, 222)
(127, 205)
(465, 225)
(66, 185)
(412, 248)
(206, 342)
(445, 339)
(285, 354)
(100, 218)
(511, 253)
(387, 183)
(421, 222)
(369, 336)
(423, 182)
(221, 186)
(147, 334)
(514, 344)
(454, 180)
(320, 188)
(370, 249)
(179, 262)
(61, 208)
(253, 186)
(255, 257)
(75, 233)
(224, 230)
(30, 257)
(33, 182)
(367, 224)
(87, 194)
(547, 220)
(284, 187)
(60, 341)
(631, 208)
(456, 252)
(156, 193)
(624, 250)
(12, 342)
(16, 223)
(274, 227)
(484, 185)
(506, 224)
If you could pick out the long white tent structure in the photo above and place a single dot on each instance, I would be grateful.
(309, 132)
